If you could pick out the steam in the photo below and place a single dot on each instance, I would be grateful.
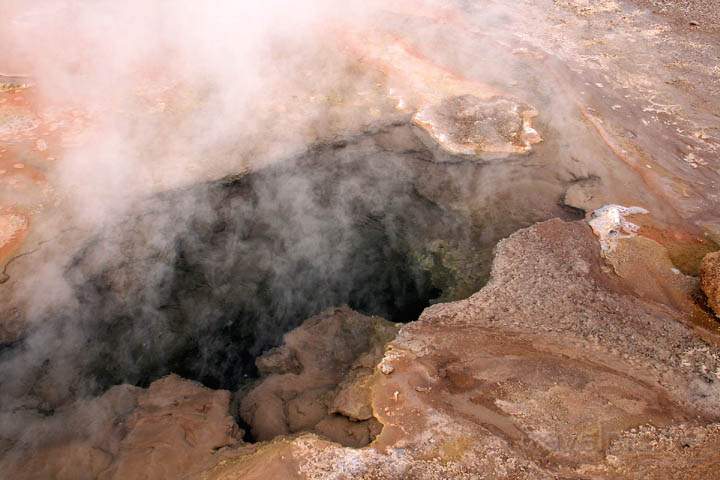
(164, 95)
(155, 102)
(174, 100)
(178, 91)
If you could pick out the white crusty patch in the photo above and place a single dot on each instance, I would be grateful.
(610, 225)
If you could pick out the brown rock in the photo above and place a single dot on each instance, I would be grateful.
(346, 432)
(710, 280)
(557, 368)
(485, 128)
(277, 360)
(169, 430)
(712, 231)
(336, 352)
(353, 397)
(584, 194)
(647, 270)
(72, 461)
(307, 409)
(177, 425)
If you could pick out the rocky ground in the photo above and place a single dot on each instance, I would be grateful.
(688, 13)
(551, 371)
(593, 351)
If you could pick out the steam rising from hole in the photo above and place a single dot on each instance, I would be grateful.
(211, 222)
(200, 280)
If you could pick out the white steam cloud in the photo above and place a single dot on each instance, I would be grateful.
(178, 91)
(163, 260)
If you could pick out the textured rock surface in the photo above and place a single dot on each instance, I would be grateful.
(552, 370)
(485, 129)
(710, 280)
(318, 379)
(584, 194)
(572, 363)
(559, 367)
(167, 431)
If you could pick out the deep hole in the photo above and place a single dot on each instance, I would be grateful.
(267, 251)
(200, 281)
